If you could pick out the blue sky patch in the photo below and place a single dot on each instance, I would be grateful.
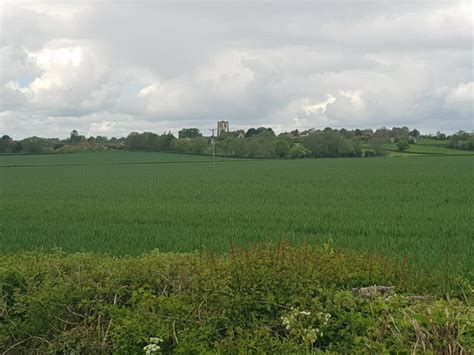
(25, 80)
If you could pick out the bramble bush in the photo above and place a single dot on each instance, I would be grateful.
(271, 298)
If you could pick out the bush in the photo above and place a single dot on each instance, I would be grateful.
(299, 152)
(368, 153)
(270, 299)
(403, 145)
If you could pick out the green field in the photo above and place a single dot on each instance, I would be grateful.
(426, 146)
(98, 158)
(129, 203)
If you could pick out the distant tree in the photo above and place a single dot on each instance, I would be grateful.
(282, 148)
(189, 133)
(181, 145)
(469, 145)
(190, 145)
(295, 133)
(234, 147)
(403, 145)
(259, 131)
(328, 144)
(101, 139)
(75, 138)
(346, 134)
(378, 139)
(269, 130)
(357, 144)
(251, 132)
(164, 141)
(299, 152)
(6, 144)
(198, 145)
(133, 141)
(414, 133)
(17, 147)
(33, 145)
(261, 146)
(461, 140)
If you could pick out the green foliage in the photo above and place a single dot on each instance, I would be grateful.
(272, 299)
(258, 146)
(189, 133)
(260, 131)
(282, 148)
(6, 144)
(327, 144)
(299, 152)
(190, 145)
(75, 138)
(414, 133)
(403, 145)
(461, 140)
(33, 145)
(149, 141)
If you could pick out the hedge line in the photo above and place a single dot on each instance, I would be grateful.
(272, 298)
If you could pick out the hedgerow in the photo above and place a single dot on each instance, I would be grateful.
(271, 298)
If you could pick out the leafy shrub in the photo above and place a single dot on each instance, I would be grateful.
(403, 145)
(272, 298)
(299, 152)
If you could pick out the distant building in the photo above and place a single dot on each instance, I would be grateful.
(222, 127)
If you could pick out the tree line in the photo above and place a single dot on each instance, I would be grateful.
(261, 142)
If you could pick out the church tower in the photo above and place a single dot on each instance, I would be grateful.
(222, 127)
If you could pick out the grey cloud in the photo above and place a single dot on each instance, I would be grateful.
(156, 65)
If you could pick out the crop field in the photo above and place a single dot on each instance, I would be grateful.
(97, 158)
(129, 203)
(427, 146)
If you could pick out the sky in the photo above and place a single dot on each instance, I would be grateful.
(113, 67)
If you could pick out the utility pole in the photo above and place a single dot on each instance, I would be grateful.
(213, 142)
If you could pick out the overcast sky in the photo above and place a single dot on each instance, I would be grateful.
(112, 67)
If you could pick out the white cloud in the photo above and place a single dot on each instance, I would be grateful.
(94, 67)
(461, 98)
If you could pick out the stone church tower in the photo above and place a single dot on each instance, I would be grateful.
(222, 127)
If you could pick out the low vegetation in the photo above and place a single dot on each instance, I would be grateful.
(271, 298)
(461, 140)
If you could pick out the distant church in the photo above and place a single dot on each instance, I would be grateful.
(222, 127)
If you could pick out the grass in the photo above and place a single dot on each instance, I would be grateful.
(432, 142)
(97, 158)
(427, 147)
(119, 203)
